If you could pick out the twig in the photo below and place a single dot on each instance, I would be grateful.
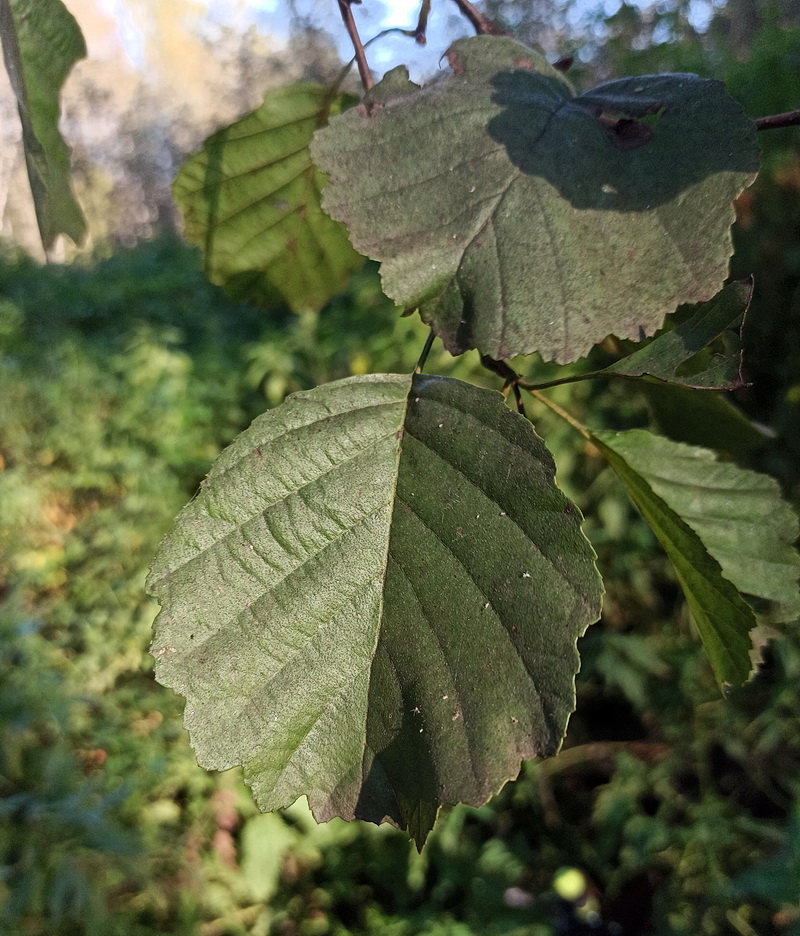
(358, 47)
(422, 23)
(509, 375)
(578, 427)
(518, 398)
(500, 368)
(480, 22)
(776, 121)
(425, 352)
(572, 378)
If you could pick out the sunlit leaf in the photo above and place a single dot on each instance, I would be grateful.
(250, 200)
(41, 43)
(375, 599)
(519, 217)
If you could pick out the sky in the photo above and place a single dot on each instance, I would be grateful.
(372, 16)
(445, 25)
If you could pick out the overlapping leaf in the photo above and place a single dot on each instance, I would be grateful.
(375, 599)
(724, 529)
(665, 357)
(519, 217)
(250, 200)
(41, 43)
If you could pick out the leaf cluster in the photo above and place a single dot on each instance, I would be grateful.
(376, 595)
(106, 823)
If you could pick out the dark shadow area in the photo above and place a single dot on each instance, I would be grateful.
(628, 145)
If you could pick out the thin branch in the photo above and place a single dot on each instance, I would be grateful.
(518, 398)
(776, 121)
(480, 22)
(358, 47)
(558, 381)
(501, 368)
(420, 33)
(425, 352)
(578, 427)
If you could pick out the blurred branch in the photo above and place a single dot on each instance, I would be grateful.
(776, 121)
(420, 33)
(481, 23)
(358, 47)
(602, 752)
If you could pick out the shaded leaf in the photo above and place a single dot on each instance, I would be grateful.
(375, 600)
(723, 527)
(663, 357)
(41, 43)
(519, 217)
(708, 419)
(250, 200)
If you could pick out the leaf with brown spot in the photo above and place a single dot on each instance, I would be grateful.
(505, 207)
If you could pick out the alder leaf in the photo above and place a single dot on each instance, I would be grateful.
(519, 217)
(375, 599)
(250, 200)
(726, 530)
(706, 419)
(41, 43)
(666, 356)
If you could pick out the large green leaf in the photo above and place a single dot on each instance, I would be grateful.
(250, 200)
(666, 356)
(41, 43)
(375, 599)
(723, 527)
(521, 218)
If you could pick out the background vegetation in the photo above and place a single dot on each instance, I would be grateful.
(121, 378)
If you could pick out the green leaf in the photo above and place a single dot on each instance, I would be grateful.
(708, 419)
(723, 527)
(375, 600)
(41, 43)
(663, 358)
(251, 200)
(521, 218)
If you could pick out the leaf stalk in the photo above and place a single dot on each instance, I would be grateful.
(567, 417)
(425, 352)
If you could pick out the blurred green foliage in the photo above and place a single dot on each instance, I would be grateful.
(120, 381)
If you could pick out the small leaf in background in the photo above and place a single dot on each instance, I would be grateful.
(663, 358)
(250, 200)
(375, 600)
(41, 43)
(518, 217)
(722, 526)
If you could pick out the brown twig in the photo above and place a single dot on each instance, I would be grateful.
(518, 398)
(425, 352)
(420, 33)
(501, 368)
(358, 47)
(480, 22)
(776, 121)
